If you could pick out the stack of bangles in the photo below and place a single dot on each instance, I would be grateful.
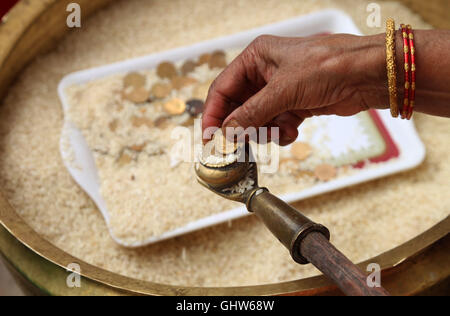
(407, 108)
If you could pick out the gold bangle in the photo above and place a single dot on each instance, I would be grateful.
(391, 66)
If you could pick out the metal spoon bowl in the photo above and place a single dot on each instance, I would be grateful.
(221, 178)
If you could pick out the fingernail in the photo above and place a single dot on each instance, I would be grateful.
(232, 130)
(232, 123)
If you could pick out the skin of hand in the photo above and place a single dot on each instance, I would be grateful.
(278, 81)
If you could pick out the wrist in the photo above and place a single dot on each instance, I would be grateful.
(373, 81)
(372, 72)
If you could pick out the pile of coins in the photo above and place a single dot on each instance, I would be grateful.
(164, 92)
(222, 145)
(219, 151)
(134, 88)
(163, 95)
(301, 151)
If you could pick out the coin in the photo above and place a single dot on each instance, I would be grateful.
(166, 70)
(217, 61)
(134, 79)
(201, 90)
(137, 95)
(188, 67)
(179, 83)
(325, 172)
(161, 90)
(289, 164)
(300, 150)
(223, 145)
(208, 150)
(162, 122)
(204, 59)
(138, 121)
(219, 53)
(194, 106)
(175, 106)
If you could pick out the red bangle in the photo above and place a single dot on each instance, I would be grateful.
(406, 51)
(412, 92)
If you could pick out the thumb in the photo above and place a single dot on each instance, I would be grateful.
(258, 110)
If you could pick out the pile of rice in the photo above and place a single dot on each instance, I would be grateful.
(364, 221)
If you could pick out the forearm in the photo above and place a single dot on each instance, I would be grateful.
(432, 76)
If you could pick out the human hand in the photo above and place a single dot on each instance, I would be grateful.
(278, 82)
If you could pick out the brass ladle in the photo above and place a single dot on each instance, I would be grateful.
(307, 241)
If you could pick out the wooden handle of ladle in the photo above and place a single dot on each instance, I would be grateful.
(332, 263)
(308, 243)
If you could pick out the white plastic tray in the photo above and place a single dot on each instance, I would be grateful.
(412, 151)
